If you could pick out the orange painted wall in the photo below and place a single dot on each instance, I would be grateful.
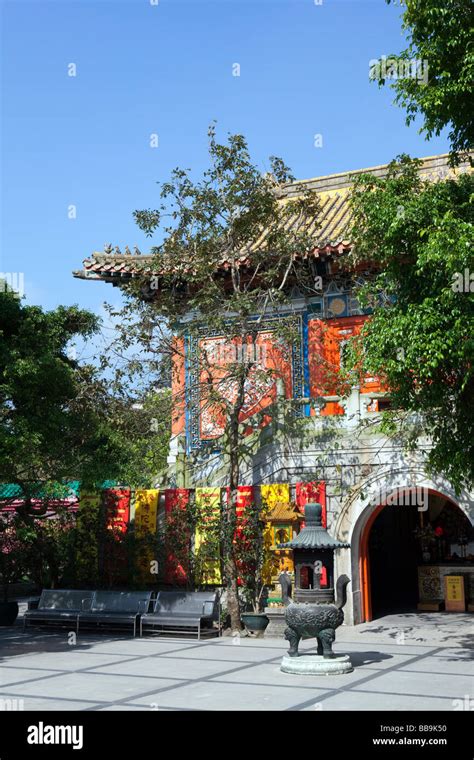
(324, 346)
(261, 393)
(324, 355)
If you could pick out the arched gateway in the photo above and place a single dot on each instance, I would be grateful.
(401, 525)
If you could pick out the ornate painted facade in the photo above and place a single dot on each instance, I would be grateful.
(331, 439)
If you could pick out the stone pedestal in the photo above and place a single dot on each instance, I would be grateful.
(276, 627)
(316, 665)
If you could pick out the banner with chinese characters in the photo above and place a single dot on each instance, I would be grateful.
(177, 535)
(275, 494)
(244, 498)
(117, 508)
(146, 510)
(206, 542)
(146, 514)
(307, 493)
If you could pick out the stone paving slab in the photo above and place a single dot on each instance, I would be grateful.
(164, 667)
(427, 667)
(11, 676)
(415, 683)
(215, 695)
(41, 704)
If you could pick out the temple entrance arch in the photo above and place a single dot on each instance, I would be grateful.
(371, 511)
(414, 527)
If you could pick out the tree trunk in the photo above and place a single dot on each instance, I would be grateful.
(230, 565)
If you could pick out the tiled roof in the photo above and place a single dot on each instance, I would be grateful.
(9, 491)
(13, 491)
(331, 229)
(284, 512)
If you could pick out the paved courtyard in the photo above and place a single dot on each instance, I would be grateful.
(402, 662)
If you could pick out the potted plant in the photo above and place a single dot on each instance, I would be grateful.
(11, 567)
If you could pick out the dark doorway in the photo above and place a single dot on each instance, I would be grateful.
(393, 556)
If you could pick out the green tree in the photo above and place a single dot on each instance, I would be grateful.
(228, 254)
(418, 236)
(54, 424)
(440, 37)
(142, 423)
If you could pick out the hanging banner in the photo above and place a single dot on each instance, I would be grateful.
(307, 493)
(117, 508)
(146, 510)
(176, 498)
(275, 494)
(272, 496)
(87, 525)
(146, 514)
(244, 498)
(177, 536)
(206, 542)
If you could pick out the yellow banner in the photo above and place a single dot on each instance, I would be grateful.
(146, 510)
(206, 542)
(278, 493)
(146, 515)
(89, 501)
(272, 496)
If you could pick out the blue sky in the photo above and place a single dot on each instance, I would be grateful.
(166, 68)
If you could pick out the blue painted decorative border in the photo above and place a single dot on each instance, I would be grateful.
(305, 349)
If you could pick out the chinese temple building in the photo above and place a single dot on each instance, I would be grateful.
(407, 528)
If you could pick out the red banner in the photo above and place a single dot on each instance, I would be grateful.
(176, 498)
(307, 493)
(176, 501)
(116, 503)
(117, 508)
(244, 498)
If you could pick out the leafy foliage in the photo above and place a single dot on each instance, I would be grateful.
(229, 251)
(53, 424)
(12, 555)
(440, 34)
(419, 341)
